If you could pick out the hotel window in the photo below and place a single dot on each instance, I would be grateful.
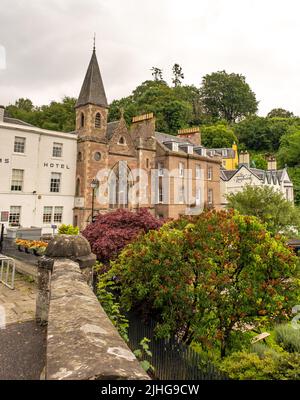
(210, 198)
(160, 168)
(209, 173)
(198, 172)
(55, 182)
(47, 215)
(14, 215)
(17, 180)
(181, 169)
(98, 121)
(19, 146)
(57, 150)
(58, 212)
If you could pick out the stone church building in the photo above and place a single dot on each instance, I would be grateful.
(175, 175)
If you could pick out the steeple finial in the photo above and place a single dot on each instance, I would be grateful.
(94, 47)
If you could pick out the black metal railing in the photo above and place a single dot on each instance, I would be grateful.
(172, 360)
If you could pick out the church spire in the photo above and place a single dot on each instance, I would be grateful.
(92, 90)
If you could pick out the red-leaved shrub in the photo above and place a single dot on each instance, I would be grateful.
(112, 231)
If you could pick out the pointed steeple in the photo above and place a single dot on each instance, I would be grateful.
(92, 90)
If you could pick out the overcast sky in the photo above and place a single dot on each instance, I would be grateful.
(48, 45)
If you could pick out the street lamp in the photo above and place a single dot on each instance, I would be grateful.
(94, 185)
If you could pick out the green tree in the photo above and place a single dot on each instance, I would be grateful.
(289, 151)
(258, 160)
(59, 116)
(280, 113)
(263, 134)
(294, 174)
(157, 74)
(203, 277)
(171, 112)
(177, 75)
(218, 135)
(269, 205)
(227, 96)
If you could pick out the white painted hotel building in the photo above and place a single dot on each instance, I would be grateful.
(37, 175)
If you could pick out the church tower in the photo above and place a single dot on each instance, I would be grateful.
(92, 150)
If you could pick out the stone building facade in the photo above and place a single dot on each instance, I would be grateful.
(137, 167)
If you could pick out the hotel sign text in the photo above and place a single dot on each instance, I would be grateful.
(53, 165)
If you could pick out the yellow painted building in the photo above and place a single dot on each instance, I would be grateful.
(230, 158)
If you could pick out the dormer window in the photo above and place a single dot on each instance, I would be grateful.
(122, 140)
(82, 120)
(98, 120)
(174, 146)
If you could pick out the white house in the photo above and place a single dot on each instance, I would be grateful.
(37, 175)
(233, 181)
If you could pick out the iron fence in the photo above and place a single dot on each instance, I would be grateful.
(171, 359)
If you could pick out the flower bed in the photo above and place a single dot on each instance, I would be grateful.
(36, 247)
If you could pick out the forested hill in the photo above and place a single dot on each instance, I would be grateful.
(223, 105)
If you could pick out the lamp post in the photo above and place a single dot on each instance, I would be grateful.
(94, 185)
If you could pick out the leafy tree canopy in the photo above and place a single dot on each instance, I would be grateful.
(280, 113)
(59, 116)
(172, 111)
(218, 135)
(112, 231)
(203, 277)
(227, 96)
(263, 134)
(289, 151)
(269, 206)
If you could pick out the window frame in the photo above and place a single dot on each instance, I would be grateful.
(210, 202)
(52, 183)
(209, 173)
(181, 169)
(10, 222)
(23, 144)
(56, 213)
(15, 183)
(59, 147)
(97, 120)
(50, 213)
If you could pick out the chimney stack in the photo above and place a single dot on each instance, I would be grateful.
(244, 158)
(143, 126)
(2, 109)
(191, 134)
(272, 163)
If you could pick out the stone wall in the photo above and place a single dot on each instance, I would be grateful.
(82, 343)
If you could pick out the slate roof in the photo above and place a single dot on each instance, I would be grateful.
(165, 137)
(15, 121)
(92, 90)
(111, 126)
(265, 176)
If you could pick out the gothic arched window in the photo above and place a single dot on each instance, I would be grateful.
(122, 140)
(98, 120)
(120, 182)
(82, 120)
